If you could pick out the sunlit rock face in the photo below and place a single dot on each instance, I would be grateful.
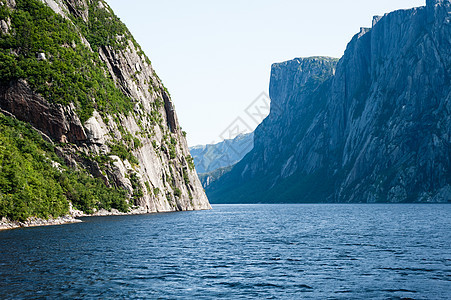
(374, 126)
(161, 176)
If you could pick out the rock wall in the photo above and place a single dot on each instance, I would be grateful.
(57, 121)
(164, 173)
(375, 127)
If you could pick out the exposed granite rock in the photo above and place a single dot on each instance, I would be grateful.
(11, 3)
(5, 26)
(41, 56)
(96, 130)
(375, 128)
(78, 8)
(120, 171)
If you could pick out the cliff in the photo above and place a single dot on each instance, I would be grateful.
(372, 127)
(73, 71)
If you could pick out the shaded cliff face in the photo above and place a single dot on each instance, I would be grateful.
(375, 128)
(91, 89)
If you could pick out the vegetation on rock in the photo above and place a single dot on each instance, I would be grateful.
(34, 181)
(71, 72)
(80, 53)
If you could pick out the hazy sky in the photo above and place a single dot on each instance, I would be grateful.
(215, 56)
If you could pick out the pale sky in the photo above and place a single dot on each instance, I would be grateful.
(215, 56)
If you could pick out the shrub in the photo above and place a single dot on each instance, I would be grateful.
(177, 192)
(190, 161)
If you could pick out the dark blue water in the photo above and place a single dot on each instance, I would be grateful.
(237, 252)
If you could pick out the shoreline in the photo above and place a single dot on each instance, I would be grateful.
(37, 222)
(5, 224)
(71, 218)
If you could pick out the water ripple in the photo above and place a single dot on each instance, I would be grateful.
(237, 252)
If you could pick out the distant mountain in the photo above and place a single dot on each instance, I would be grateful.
(208, 158)
(374, 126)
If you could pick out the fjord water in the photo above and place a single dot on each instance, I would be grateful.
(237, 252)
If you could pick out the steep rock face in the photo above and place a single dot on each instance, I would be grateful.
(57, 121)
(376, 129)
(297, 91)
(156, 167)
(396, 144)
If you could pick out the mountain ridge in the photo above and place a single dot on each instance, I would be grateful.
(210, 157)
(212, 161)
